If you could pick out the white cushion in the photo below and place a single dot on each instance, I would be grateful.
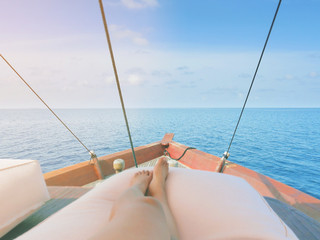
(22, 190)
(205, 205)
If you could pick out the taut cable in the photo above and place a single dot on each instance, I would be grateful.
(226, 154)
(254, 76)
(117, 79)
(92, 154)
(45, 104)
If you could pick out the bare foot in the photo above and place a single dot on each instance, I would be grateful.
(141, 180)
(160, 173)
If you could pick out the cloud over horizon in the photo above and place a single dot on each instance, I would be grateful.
(122, 33)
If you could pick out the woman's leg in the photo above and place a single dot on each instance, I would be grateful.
(135, 216)
(138, 187)
(157, 190)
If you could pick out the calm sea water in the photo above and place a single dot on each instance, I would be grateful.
(281, 143)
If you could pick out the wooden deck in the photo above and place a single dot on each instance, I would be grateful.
(60, 197)
(305, 227)
(153, 162)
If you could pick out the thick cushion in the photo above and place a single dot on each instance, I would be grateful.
(22, 191)
(206, 205)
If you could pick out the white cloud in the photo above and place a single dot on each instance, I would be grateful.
(138, 4)
(240, 95)
(110, 79)
(126, 34)
(313, 74)
(288, 77)
(134, 79)
(140, 41)
(83, 83)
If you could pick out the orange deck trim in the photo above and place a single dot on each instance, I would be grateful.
(143, 154)
(167, 139)
(75, 175)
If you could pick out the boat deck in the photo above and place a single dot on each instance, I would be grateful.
(153, 162)
(304, 226)
(301, 224)
(60, 197)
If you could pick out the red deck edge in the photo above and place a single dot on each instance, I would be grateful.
(167, 139)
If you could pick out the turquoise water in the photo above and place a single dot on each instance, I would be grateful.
(281, 143)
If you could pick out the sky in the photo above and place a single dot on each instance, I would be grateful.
(177, 54)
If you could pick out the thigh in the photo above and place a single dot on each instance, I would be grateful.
(142, 219)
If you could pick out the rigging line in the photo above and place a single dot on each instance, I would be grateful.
(254, 76)
(117, 79)
(46, 104)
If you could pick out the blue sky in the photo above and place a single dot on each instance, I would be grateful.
(168, 53)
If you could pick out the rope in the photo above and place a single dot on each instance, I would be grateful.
(254, 76)
(117, 79)
(168, 154)
(46, 105)
(92, 154)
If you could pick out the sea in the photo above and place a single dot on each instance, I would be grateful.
(282, 143)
